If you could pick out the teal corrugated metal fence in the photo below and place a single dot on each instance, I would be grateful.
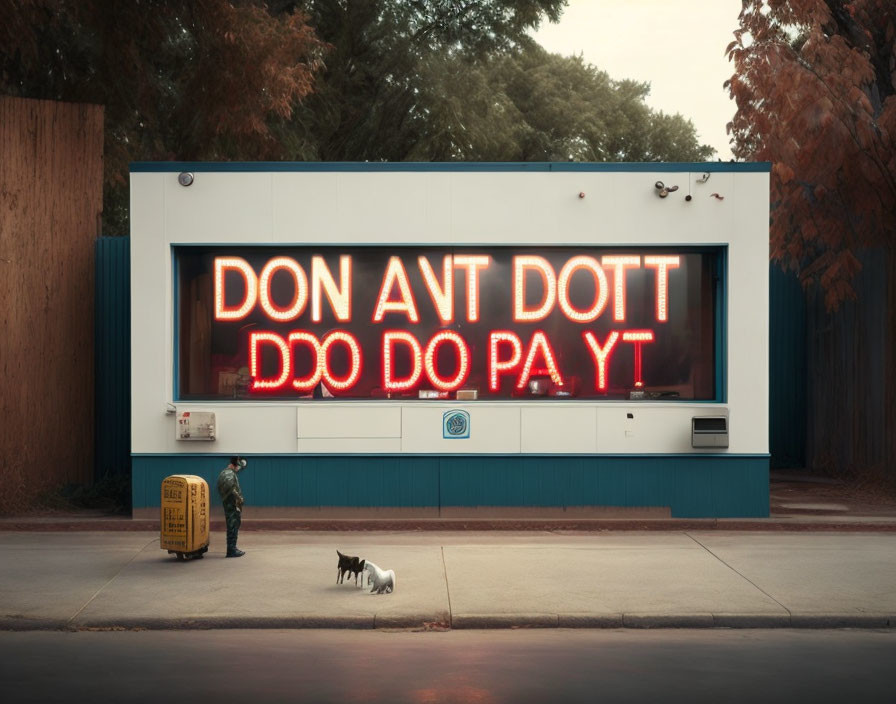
(850, 359)
(788, 359)
(113, 358)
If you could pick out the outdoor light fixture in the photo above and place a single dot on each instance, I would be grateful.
(662, 190)
(185, 178)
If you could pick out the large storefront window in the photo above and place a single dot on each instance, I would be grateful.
(288, 323)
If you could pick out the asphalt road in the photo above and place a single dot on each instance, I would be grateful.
(488, 667)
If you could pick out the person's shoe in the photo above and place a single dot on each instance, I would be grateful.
(236, 552)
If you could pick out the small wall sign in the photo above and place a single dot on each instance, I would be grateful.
(455, 425)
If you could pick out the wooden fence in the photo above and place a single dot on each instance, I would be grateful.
(51, 191)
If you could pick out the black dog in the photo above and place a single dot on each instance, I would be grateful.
(347, 564)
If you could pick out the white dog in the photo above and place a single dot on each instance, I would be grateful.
(383, 581)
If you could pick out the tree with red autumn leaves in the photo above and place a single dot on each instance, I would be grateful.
(815, 88)
(204, 80)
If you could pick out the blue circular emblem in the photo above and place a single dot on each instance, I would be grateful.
(456, 424)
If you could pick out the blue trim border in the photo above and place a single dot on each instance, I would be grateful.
(720, 324)
(691, 486)
(719, 254)
(465, 166)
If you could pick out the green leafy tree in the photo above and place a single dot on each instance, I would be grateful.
(210, 79)
(366, 104)
(529, 105)
(442, 80)
(326, 80)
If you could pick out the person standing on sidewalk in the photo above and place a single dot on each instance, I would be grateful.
(232, 498)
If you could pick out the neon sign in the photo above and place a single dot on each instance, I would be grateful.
(510, 322)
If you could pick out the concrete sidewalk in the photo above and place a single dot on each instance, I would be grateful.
(680, 579)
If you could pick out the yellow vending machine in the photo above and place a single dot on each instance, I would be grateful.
(185, 513)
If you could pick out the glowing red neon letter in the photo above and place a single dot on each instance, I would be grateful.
(255, 341)
(242, 267)
(620, 264)
(662, 266)
(638, 337)
(442, 298)
(395, 272)
(340, 297)
(389, 339)
(472, 264)
(601, 357)
(600, 284)
(294, 310)
(496, 367)
(306, 338)
(463, 360)
(354, 349)
(544, 268)
(539, 343)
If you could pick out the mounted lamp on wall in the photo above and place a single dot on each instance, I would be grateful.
(662, 190)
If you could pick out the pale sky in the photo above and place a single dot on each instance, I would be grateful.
(678, 46)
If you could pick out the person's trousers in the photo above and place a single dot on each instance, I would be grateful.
(232, 518)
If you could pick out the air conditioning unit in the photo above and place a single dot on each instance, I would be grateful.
(709, 431)
(195, 425)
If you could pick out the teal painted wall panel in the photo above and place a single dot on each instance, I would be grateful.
(735, 491)
(374, 481)
(612, 476)
(303, 481)
(648, 485)
(148, 473)
(264, 479)
(509, 481)
(692, 487)
(417, 479)
(301, 486)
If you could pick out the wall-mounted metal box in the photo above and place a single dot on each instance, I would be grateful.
(709, 431)
(195, 425)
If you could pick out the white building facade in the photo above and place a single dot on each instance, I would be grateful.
(454, 339)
